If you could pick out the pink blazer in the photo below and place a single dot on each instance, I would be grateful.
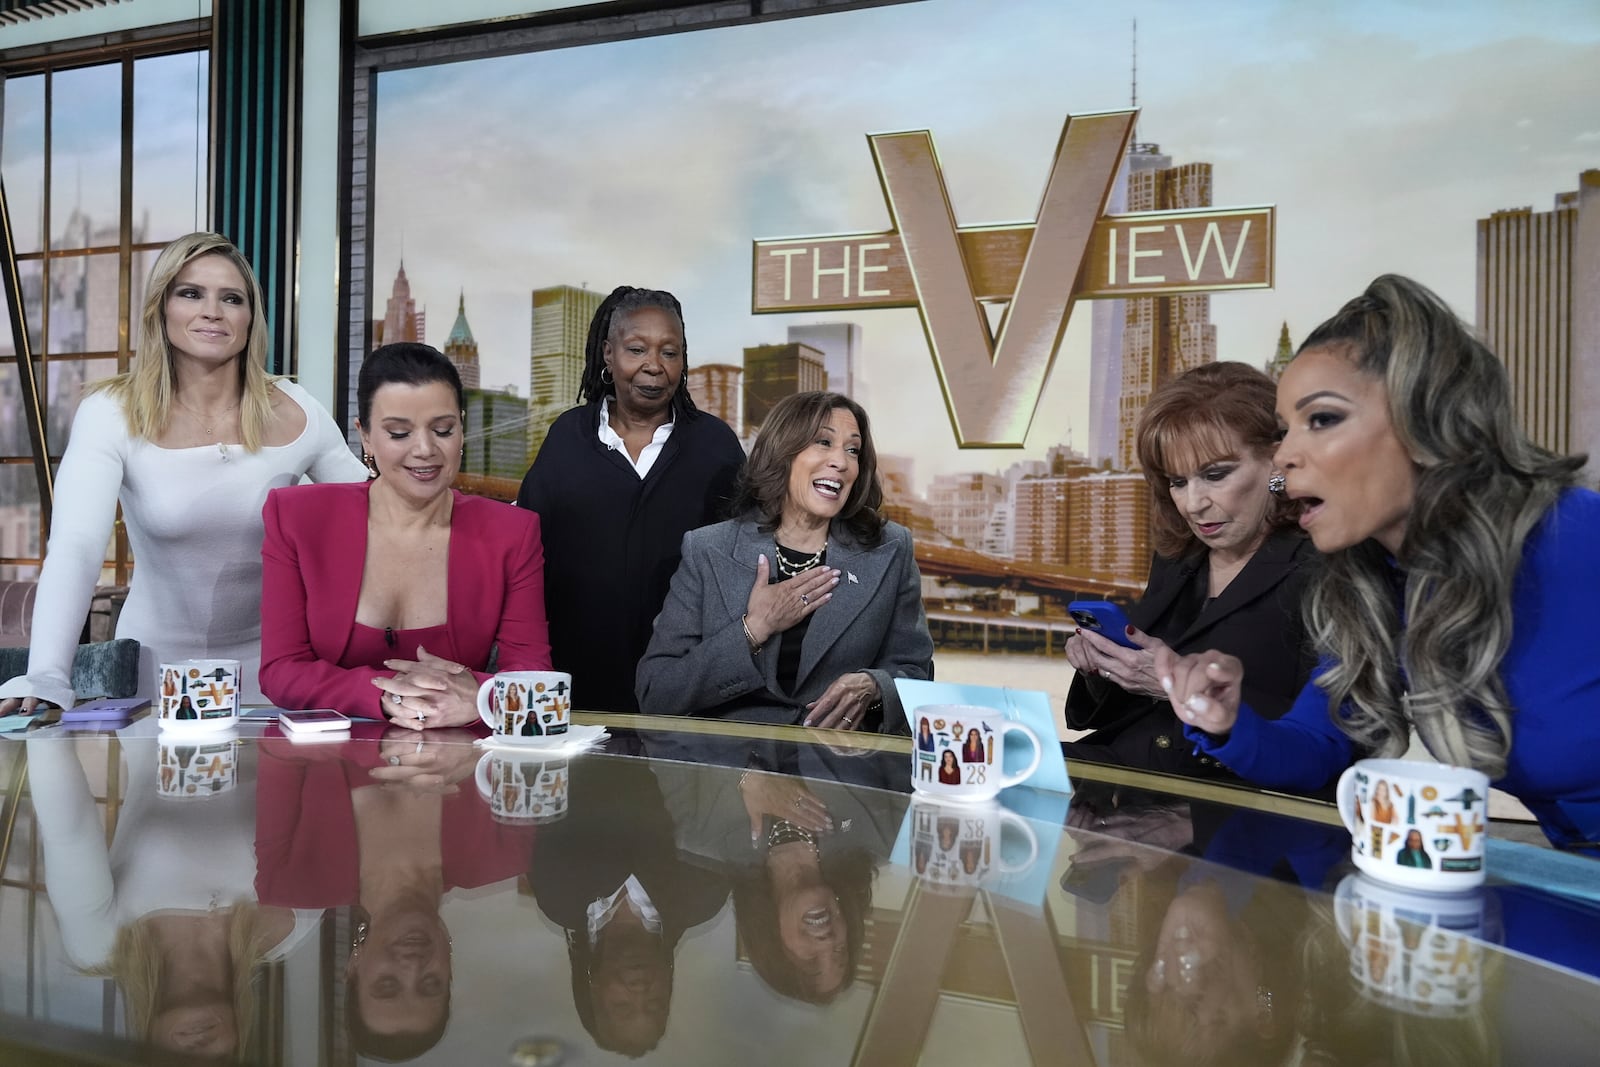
(312, 559)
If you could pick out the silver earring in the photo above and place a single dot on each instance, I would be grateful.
(606, 376)
(1277, 482)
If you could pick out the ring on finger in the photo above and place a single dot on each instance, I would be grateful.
(394, 761)
(397, 698)
(848, 721)
(805, 599)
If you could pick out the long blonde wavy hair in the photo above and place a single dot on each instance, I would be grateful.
(1481, 488)
(146, 391)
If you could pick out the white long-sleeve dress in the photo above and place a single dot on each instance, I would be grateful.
(193, 517)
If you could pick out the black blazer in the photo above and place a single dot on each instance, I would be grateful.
(1257, 618)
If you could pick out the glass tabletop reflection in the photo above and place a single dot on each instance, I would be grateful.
(704, 892)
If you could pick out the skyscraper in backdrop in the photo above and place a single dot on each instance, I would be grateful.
(1162, 336)
(561, 316)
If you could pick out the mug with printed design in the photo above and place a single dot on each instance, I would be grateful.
(958, 751)
(198, 694)
(1422, 953)
(963, 846)
(1416, 824)
(523, 790)
(195, 769)
(526, 706)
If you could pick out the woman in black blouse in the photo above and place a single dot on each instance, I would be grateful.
(618, 482)
(1229, 572)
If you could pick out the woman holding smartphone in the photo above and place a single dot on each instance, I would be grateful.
(1228, 572)
(1457, 593)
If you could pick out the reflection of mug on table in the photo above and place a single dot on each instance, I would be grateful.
(526, 704)
(192, 770)
(1421, 953)
(960, 752)
(958, 846)
(1416, 824)
(523, 790)
(198, 694)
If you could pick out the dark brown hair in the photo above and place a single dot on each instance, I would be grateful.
(789, 429)
(1199, 415)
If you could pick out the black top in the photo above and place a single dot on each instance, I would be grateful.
(1257, 618)
(612, 540)
(791, 641)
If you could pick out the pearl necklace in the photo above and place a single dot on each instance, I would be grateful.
(790, 570)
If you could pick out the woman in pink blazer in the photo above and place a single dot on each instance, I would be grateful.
(388, 598)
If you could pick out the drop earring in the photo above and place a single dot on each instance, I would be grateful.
(370, 463)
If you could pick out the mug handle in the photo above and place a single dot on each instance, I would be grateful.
(1344, 798)
(483, 703)
(1027, 832)
(480, 775)
(1006, 727)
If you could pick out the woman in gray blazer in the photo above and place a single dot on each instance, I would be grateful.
(806, 607)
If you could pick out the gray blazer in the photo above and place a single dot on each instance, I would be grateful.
(698, 662)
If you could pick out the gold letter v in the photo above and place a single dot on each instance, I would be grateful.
(991, 384)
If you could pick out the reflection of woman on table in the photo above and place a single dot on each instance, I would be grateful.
(188, 442)
(1414, 855)
(391, 595)
(808, 605)
(610, 875)
(386, 828)
(617, 483)
(801, 852)
(168, 910)
(949, 769)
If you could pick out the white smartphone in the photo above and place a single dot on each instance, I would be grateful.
(321, 720)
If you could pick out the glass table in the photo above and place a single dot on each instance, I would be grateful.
(708, 892)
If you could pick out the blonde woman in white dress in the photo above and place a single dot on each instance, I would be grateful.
(188, 441)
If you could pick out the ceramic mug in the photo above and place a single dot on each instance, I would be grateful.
(194, 770)
(959, 846)
(1416, 824)
(523, 791)
(525, 705)
(1422, 953)
(198, 694)
(958, 751)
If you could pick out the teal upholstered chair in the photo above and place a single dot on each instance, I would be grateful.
(103, 669)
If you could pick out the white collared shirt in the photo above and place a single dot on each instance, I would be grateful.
(612, 440)
(603, 910)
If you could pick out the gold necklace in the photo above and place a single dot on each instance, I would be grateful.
(210, 427)
(791, 569)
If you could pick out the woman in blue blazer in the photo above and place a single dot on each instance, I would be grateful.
(1457, 591)
(807, 607)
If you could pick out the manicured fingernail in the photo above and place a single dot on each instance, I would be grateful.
(1129, 628)
(1166, 683)
(1197, 703)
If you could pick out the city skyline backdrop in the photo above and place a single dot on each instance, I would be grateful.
(1395, 178)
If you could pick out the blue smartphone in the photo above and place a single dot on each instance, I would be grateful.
(1104, 618)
